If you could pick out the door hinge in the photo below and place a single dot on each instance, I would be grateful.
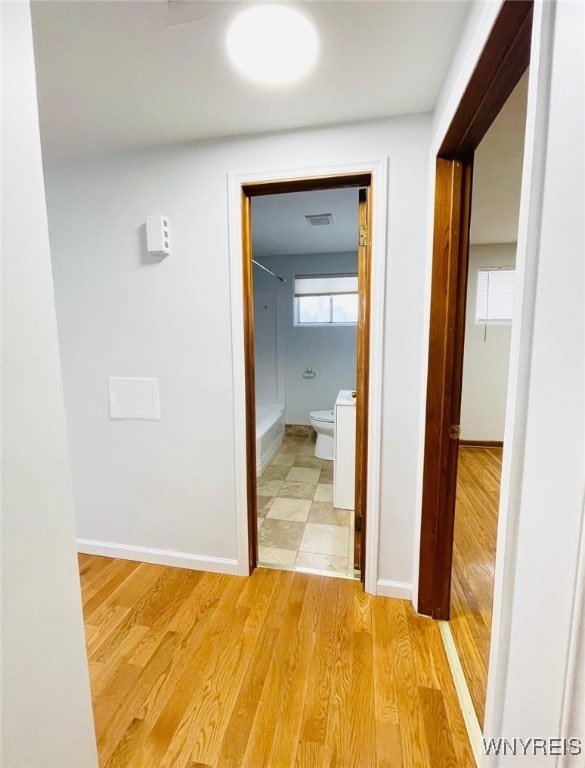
(454, 431)
(358, 523)
(363, 235)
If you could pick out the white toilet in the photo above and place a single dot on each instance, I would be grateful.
(323, 422)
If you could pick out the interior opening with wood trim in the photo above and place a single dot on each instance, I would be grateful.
(296, 524)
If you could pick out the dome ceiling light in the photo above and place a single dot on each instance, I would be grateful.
(272, 44)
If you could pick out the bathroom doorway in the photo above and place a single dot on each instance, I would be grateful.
(306, 294)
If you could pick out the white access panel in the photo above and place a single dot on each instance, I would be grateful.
(134, 398)
(344, 451)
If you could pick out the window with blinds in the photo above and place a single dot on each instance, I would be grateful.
(326, 300)
(495, 295)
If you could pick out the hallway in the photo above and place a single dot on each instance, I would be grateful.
(279, 669)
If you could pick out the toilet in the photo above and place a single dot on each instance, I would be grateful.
(323, 422)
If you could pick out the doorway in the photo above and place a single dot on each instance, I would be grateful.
(302, 511)
(305, 289)
(491, 278)
(371, 173)
(502, 63)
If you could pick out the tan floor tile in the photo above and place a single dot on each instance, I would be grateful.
(324, 492)
(297, 490)
(322, 562)
(324, 539)
(308, 449)
(263, 504)
(289, 509)
(284, 459)
(274, 472)
(267, 487)
(276, 556)
(325, 512)
(309, 462)
(292, 443)
(302, 475)
(326, 475)
(281, 534)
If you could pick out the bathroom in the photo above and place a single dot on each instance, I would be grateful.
(304, 251)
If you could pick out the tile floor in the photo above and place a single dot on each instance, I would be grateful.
(298, 526)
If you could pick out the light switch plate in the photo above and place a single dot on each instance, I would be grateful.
(134, 398)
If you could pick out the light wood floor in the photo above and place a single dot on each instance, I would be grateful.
(474, 555)
(279, 669)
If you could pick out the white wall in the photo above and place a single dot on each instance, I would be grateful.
(486, 355)
(46, 708)
(170, 485)
(330, 352)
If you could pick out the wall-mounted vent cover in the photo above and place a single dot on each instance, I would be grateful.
(319, 219)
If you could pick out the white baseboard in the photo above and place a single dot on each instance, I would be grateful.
(159, 556)
(399, 589)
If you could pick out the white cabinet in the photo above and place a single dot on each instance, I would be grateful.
(344, 455)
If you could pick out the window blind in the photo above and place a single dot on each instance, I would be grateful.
(495, 295)
(320, 285)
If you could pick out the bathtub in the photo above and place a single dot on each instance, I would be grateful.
(269, 434)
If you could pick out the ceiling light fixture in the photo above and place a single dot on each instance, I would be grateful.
(272, 44)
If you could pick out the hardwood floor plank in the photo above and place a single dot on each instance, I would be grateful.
(269, 708)
(388, 740)
(437, 729)
(294, 689)
(338, 718)
(168, 743)
(361, 733)
(224, 677)
(314, 724)
(127, 694)
(414, 746)
(236, 735)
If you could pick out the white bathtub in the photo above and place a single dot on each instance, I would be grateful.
(269, 434)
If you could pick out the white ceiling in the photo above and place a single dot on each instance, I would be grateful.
(121, 74)
(279, 227)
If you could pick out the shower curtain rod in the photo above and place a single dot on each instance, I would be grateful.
(270, 272)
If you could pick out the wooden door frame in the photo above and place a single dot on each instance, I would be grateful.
(503, 61)
(372, 174)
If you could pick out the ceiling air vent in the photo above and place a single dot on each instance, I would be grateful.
(319, 219)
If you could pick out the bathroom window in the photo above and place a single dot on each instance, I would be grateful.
(495, 295)
(326, 300)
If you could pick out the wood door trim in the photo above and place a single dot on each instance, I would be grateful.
(503, 61)
(309, 184)
(249, 190)
(250, 377)
(501, 64)
(362, 369)
(452, 195)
